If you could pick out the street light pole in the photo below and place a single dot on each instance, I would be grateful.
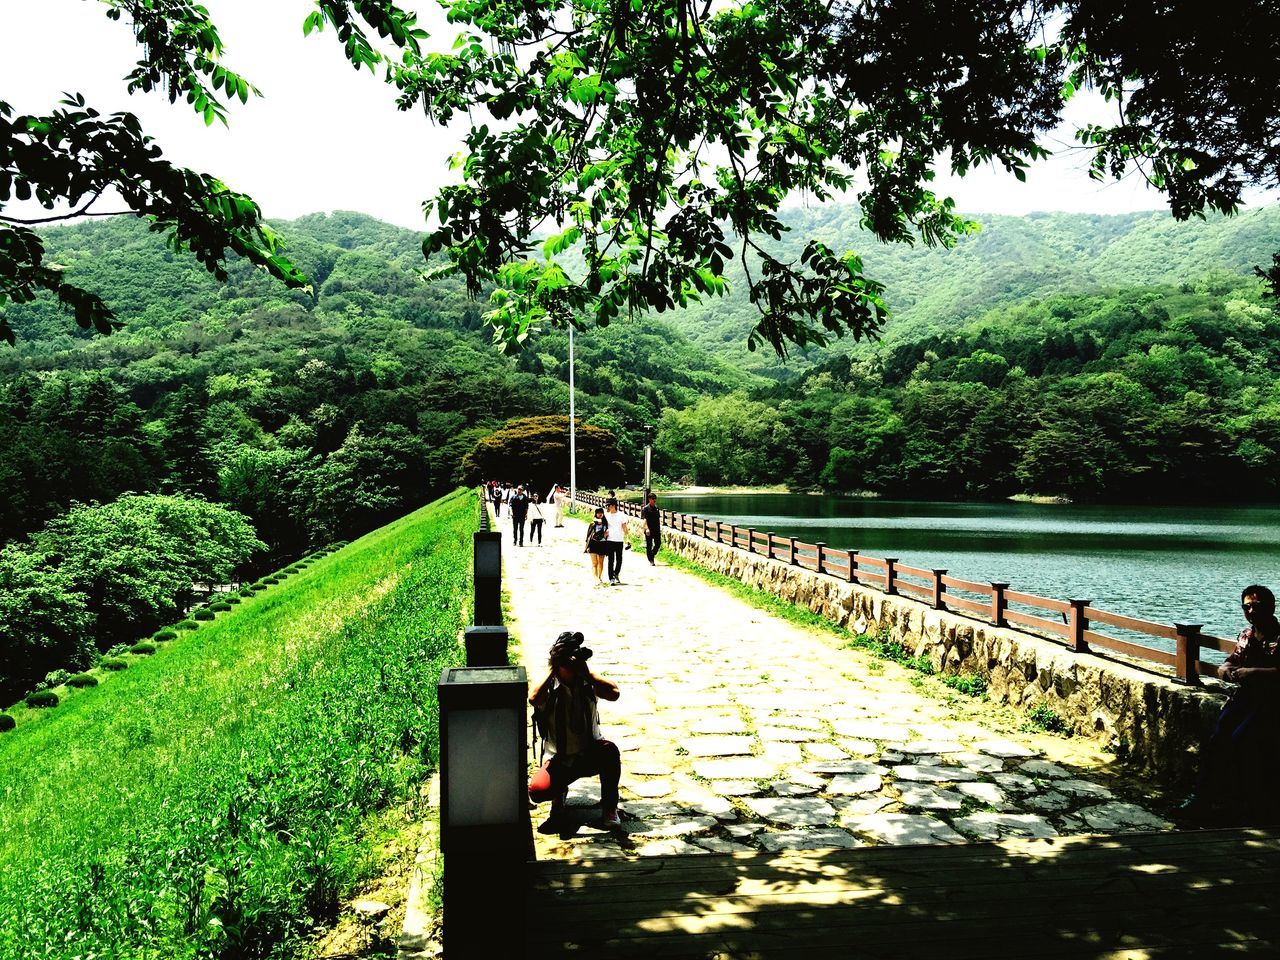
(573, 430)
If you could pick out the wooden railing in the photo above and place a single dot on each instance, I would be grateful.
(1071, 622)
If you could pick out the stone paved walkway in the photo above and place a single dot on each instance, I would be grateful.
(741, 731)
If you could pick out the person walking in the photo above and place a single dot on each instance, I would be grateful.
(597, 543)
(495, 494)
(536, 519)
(519, 506)
(617, 541)
(566, 709)
(652, 521)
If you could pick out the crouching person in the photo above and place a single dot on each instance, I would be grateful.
(568, 719)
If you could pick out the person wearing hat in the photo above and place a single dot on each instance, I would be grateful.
(567, 716)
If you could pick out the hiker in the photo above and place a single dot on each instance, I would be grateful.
(558, 498)
(652, 521)
(1239, 775)
(519, 507)
(567, 715)
(597, 543)
(617, 541)
(495, 494)
(536, 519)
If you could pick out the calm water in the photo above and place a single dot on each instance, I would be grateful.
(1170, 564)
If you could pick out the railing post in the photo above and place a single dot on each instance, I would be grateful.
(751, 539)
(791, 555)
(1188, 652)
(853, 566)
(770, 549)
(998, 604)
(821, 547)
(889, 588)
(719, 539)
(939, 590)
(1077, 624)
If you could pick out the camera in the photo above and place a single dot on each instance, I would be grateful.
(569, 646)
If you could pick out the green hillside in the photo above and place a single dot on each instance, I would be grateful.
(930, 290)
(318, 415)
(213, 799)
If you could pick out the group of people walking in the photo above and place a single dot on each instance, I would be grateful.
(526, 508)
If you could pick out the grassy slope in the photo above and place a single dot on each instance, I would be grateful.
(211, 798)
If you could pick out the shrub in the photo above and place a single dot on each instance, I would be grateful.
(246, 591)
(114, 663)
(1042, 717)
(257, 586)
(969, 684)
(168, 633)
(118, 649)
(219, 606)
(204, 613)
(42, 698)
(54, 678)
(7, 723)
(232, 599)
(186, 625)
(271, 579)
(82, 680)
(143, 648)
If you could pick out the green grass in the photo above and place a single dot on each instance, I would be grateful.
(212, 800)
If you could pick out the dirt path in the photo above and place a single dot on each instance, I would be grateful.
(740, 730)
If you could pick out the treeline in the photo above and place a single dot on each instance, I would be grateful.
(1143, 395)
(317, 415)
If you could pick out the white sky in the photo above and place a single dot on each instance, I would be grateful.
(326, 138)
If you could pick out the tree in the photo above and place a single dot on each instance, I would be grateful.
(642, 131)
(536, 450)
(135, 559)
(660, 139)
(43, 622)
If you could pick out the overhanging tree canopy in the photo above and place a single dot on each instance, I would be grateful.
(659, 139)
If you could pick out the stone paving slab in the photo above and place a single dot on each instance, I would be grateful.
(741, 731)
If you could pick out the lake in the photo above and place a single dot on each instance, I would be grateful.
(1163, 563)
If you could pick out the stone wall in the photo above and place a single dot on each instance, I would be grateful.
(1157, 724)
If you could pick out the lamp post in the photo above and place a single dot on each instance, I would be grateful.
(484, 816)
(573, 436)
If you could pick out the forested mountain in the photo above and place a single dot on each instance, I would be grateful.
(1152, 394)
(317, 414)
(1140, 346)
(930, 290)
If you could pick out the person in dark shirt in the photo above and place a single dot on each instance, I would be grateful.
(652, 522)
(1239, 767)
(519, 505)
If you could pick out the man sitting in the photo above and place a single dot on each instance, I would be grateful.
(568, 719)
(1239, 766)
